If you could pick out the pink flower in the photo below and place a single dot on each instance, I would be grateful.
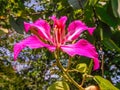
(58, 37)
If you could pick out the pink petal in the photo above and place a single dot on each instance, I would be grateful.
(41, 26)
(59, 22)
(83, 48)
(43, 23)
(76, 28)
(32, 42)
(63, 20)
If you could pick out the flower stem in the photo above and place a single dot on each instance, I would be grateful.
(102, 66)
(66, 73)
(83, 80)
(69, 63)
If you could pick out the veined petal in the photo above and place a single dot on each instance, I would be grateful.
(83, 48)
(43, 23)
(31, 42)
(40, 27)
(76, 28)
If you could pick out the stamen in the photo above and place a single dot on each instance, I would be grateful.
(58, 36)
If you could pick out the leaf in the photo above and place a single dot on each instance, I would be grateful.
(77, 4)
(74, 4)
(3, 30)
(105, 17)
(17, 24)
(118, 85)
(82, 67)
(59, 85)
(104, 84)
(114, 4)
(109, 43)
(116, 7)
(92, 2)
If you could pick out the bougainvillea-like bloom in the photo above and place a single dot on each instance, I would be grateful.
(58, 38)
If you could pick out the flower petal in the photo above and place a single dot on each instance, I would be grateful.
(43, 23)
(41, 27)
(83, 48)
(32, 42)
(59, 29)
(76, 28)
(59, 22)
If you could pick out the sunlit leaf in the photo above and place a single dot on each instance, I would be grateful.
(118, 8)
(2, 17)
(92, 2)
(104, 84)
(82, 67)
(3, 31)
(59, 85)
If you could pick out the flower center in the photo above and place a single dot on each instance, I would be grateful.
(58, 35)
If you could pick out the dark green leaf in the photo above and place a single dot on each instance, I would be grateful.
(118, 85)
(108, 43)
(17, 25)
(105, 17)
(74, 3)
(104, 84)
(114, 4)
(77, 4)
(59, 85)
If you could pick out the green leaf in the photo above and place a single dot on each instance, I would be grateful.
(105, 17)
(92, 2)
(17, 24)
(104, 84)
(109, 43)
(118, 85)
(59, 85)
(116, 7)
(82, 67)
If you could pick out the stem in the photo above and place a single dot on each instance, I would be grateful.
(90, 67)
(69, 63)
(73, 70)
(66, 73)
(83, 80)
(102, 60)
(102, 64)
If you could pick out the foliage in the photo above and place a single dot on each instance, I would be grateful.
(104, 84)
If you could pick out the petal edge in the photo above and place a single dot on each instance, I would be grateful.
(83, 48)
